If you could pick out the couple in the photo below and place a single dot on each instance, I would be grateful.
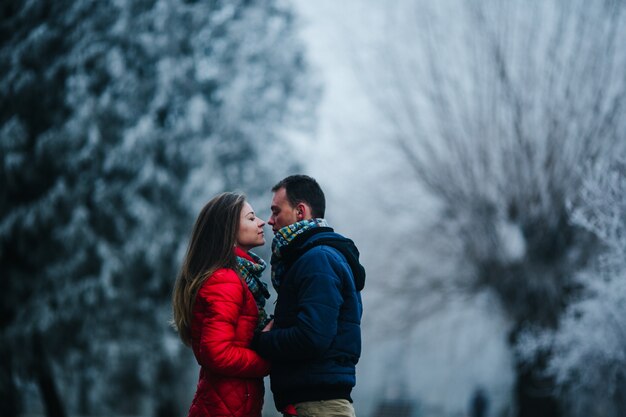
(312, 343)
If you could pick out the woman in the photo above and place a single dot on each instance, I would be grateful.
(218, 304)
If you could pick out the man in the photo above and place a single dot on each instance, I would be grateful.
(315, 338)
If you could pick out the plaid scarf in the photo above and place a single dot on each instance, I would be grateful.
(282, 238)
(251, 274)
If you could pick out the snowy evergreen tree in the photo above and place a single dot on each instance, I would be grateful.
(498, 115)
(117, 120)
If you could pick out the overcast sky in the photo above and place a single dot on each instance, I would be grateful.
(354, 164)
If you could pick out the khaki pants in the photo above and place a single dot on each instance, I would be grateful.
(326, 408)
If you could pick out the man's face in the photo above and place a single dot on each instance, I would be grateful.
(282, 212)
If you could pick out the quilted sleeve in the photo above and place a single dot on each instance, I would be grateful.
(319, 301)
(219, 306)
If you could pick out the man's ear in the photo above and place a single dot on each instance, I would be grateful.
(303, 212)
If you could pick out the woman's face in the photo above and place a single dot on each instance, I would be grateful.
(250, 233)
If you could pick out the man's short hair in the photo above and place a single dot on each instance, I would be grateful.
(304, 189)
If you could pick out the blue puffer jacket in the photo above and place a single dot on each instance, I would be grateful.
(316, 339)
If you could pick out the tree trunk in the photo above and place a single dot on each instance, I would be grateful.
(535, 393)
(45, 380)
(165, 381)
(84, 402)
(11, 405)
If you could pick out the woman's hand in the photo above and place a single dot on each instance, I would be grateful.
(268, 326)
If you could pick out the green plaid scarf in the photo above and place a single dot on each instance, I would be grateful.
(251, 273)
(282, 238)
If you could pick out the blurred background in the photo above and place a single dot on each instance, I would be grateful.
(473, 150)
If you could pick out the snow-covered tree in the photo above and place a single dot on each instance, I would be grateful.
(117, 120)
(498, 108)
(588, 349)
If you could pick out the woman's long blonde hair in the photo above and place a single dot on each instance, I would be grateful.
(210, 248)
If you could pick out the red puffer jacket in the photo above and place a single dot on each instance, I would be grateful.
(231, 375)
